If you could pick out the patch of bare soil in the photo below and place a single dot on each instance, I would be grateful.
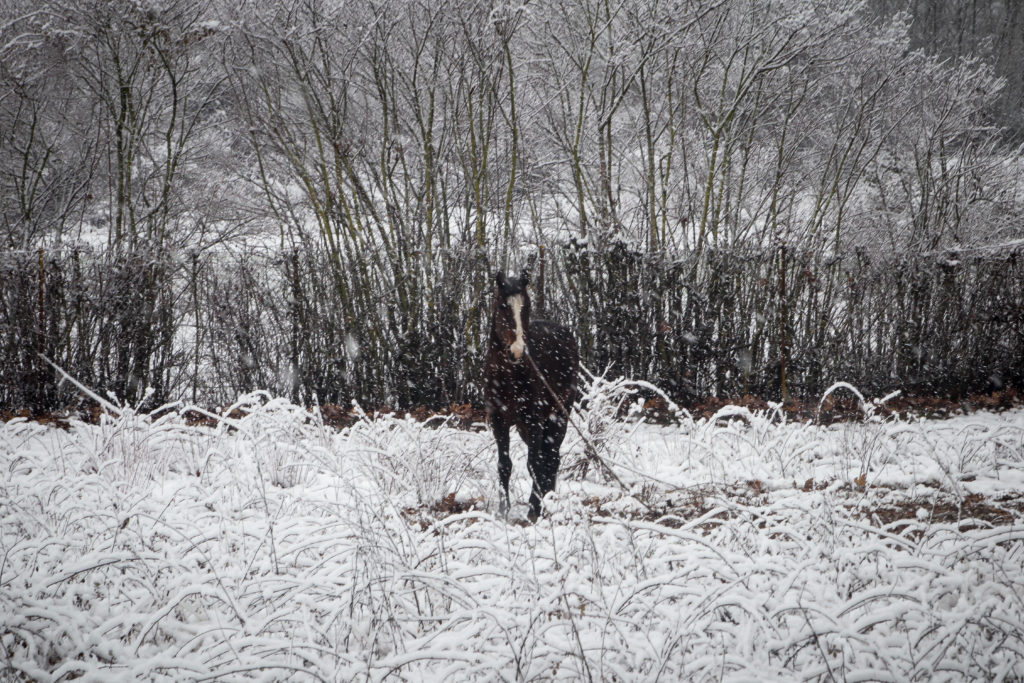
(887, 508)
(54, 418)
(424, 516)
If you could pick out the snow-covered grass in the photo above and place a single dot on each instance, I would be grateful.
(743, 547)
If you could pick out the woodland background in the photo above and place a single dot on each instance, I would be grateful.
(724, 197)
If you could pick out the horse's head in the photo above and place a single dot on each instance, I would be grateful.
(512, 312)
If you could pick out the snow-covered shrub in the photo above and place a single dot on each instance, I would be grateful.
(914, 576)
(602, 428)
(131, 446)
(417, 463)
(284, 440)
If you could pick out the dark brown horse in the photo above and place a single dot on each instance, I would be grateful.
(529, 383)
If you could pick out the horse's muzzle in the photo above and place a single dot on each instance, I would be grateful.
(514, 358)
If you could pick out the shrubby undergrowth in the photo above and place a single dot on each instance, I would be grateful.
(741, 546)
(731, 197)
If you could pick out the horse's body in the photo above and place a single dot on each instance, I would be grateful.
(530, 383)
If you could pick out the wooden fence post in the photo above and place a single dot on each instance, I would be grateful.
(784, 311)
(42, 303)
(540, 283)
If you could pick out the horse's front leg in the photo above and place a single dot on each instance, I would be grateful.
(535, 461)
(545, 458)
(500, 427)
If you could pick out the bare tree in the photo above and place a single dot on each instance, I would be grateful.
(47, 147)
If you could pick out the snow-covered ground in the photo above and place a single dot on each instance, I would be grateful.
(738, 548)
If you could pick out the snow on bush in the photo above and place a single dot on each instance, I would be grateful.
(742, 547)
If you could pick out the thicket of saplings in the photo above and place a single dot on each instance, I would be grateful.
(727, 324)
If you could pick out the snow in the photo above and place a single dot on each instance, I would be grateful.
(739, 548)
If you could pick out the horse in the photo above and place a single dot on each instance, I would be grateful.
(530, 371)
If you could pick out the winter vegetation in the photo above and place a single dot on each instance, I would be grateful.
(206, 198)
(244, 243)
(266, 545)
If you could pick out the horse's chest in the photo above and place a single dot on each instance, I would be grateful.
(514, 391)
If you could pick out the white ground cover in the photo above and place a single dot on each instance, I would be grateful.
(738, 548)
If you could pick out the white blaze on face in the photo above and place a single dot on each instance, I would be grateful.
(519, 345)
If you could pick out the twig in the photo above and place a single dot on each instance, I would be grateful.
(591, 450)
(107, 405)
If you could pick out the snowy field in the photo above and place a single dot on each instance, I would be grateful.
(741, 548)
